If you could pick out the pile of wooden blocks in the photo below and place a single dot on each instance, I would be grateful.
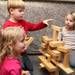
(54, 55)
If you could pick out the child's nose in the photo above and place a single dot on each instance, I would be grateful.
(67, 22)
(22, 13)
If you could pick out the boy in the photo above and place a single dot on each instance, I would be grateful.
(16, 12)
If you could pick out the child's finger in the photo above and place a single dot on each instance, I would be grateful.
(49, 20)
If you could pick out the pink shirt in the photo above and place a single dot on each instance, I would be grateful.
(10, 66)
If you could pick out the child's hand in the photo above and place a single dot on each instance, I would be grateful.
(25, 73)
(48, 20)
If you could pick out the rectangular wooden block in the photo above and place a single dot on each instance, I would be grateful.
(63, 49)
(56, 55)
(56, 28)
(68, 70)
(48, 65)
(56, 43)
(28, 41)
(45, 39)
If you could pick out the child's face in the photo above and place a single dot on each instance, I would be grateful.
(17, 13)
(19, 46)
(69, 22)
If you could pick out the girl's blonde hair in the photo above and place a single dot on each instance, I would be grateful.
(15, 4)
(73, 15)
(8, 36)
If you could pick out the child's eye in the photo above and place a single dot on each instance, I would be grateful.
(71, 20)
(21, 10)
(22, 40)
(66, 19)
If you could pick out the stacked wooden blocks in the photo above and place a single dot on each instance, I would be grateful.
(54, 55)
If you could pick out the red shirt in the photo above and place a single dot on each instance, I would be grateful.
(26, 25)
(10, 66)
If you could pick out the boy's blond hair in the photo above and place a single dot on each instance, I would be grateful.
(15, 4)
(8, 36)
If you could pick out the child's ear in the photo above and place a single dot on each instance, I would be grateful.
(11, 43)
(11, 10)
(10, 46)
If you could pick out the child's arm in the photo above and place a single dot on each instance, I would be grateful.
(36, 26)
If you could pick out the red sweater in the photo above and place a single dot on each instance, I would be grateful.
(26, 25)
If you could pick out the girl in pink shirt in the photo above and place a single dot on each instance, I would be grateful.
(11, 46)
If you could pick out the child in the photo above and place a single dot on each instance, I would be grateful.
(68, 36)
(16, 12)
(11, 46)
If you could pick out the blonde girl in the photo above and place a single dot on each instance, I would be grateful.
(68, 35)
(11, 46)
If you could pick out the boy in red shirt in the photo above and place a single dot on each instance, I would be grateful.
(16, 12)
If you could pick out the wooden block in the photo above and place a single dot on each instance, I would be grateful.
(56, 30)
(45, 39)
(48, 57)
(66, 60)
(68, 70)
(44, 45)
(49, 51)
(63, 49)
(28, 41)
(56, 55)
(56, 43)
(48, 65)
